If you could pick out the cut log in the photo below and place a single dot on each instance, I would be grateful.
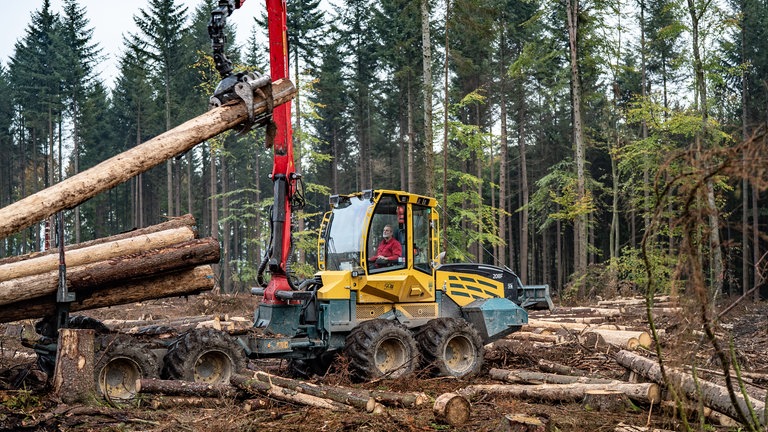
(529, 377)
(645, 393)
(395, 399)
(710, 394)
(95, 253)
(533, 337)
(452, 409)
(254, 386)
(177, 284)
(552, 367)
(186, 388)
(110, 173)
(339, 394)
(635, 301)
(523, 423)
(122, 268)
(617, 338)
(73, 376)
(605, 401)
(174, 222)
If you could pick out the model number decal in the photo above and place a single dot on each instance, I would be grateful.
(497, 275)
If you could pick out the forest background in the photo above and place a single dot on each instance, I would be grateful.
(582, 143)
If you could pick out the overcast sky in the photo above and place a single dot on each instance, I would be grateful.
(109, 19)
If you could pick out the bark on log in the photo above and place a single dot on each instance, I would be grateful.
(533, 337)
(710, 394)
(186, 388)
(254, 386)
(110, 173)
(605, 401)
(177, 284)
(605, 312)
(174, 222)
(339, 394)
(395, 399)
(645, 393)
(552, 367)
(73, 377)
(523, 423)
(119, 269)
(95, 253)
(529, 377)
(452, 409)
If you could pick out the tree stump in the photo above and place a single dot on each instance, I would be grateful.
(73, 380)
(452, 409)
(523, 423)
(605, 401)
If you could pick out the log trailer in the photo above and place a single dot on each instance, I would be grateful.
(388, 317)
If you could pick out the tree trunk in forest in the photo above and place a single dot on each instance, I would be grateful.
(580, 246)
(120, 168)
(524, 225)
(503, 156)
(177, 284)
(73, 376)
(411, 138)
(711, 395)
(226, 257)
(716, 261)
(446, 130)
(426, 44)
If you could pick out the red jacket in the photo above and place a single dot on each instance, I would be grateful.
(389, 249)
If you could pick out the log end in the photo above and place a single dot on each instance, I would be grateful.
(452, 409)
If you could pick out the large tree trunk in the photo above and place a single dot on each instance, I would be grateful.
(580, 223)
(426, 44)
(112, 172)
(711, 395)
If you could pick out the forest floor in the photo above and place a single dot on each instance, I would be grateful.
(26, 402)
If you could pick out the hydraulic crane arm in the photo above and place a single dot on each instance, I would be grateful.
(279, 135)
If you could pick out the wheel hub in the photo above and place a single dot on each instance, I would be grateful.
(213, 367)
(118, 378)
(459, 354)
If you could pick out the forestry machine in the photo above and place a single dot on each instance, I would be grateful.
(388, 316)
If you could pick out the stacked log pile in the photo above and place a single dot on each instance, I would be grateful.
(164, 260)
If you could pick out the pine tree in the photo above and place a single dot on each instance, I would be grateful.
(161, 36)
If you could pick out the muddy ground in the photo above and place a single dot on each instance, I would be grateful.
(26, 403)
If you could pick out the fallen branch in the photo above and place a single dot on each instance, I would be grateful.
(342, 395)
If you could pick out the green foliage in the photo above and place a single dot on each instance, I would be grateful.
(632, 268)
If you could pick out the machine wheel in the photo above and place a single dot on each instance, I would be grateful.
(123, 361)
(451, 347)
(381, 349)
(203, 355)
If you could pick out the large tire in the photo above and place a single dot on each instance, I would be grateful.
(203, 355)
(121, 362)
(451, 347)
(381, 349)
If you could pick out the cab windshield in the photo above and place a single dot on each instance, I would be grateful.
(344, 243)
